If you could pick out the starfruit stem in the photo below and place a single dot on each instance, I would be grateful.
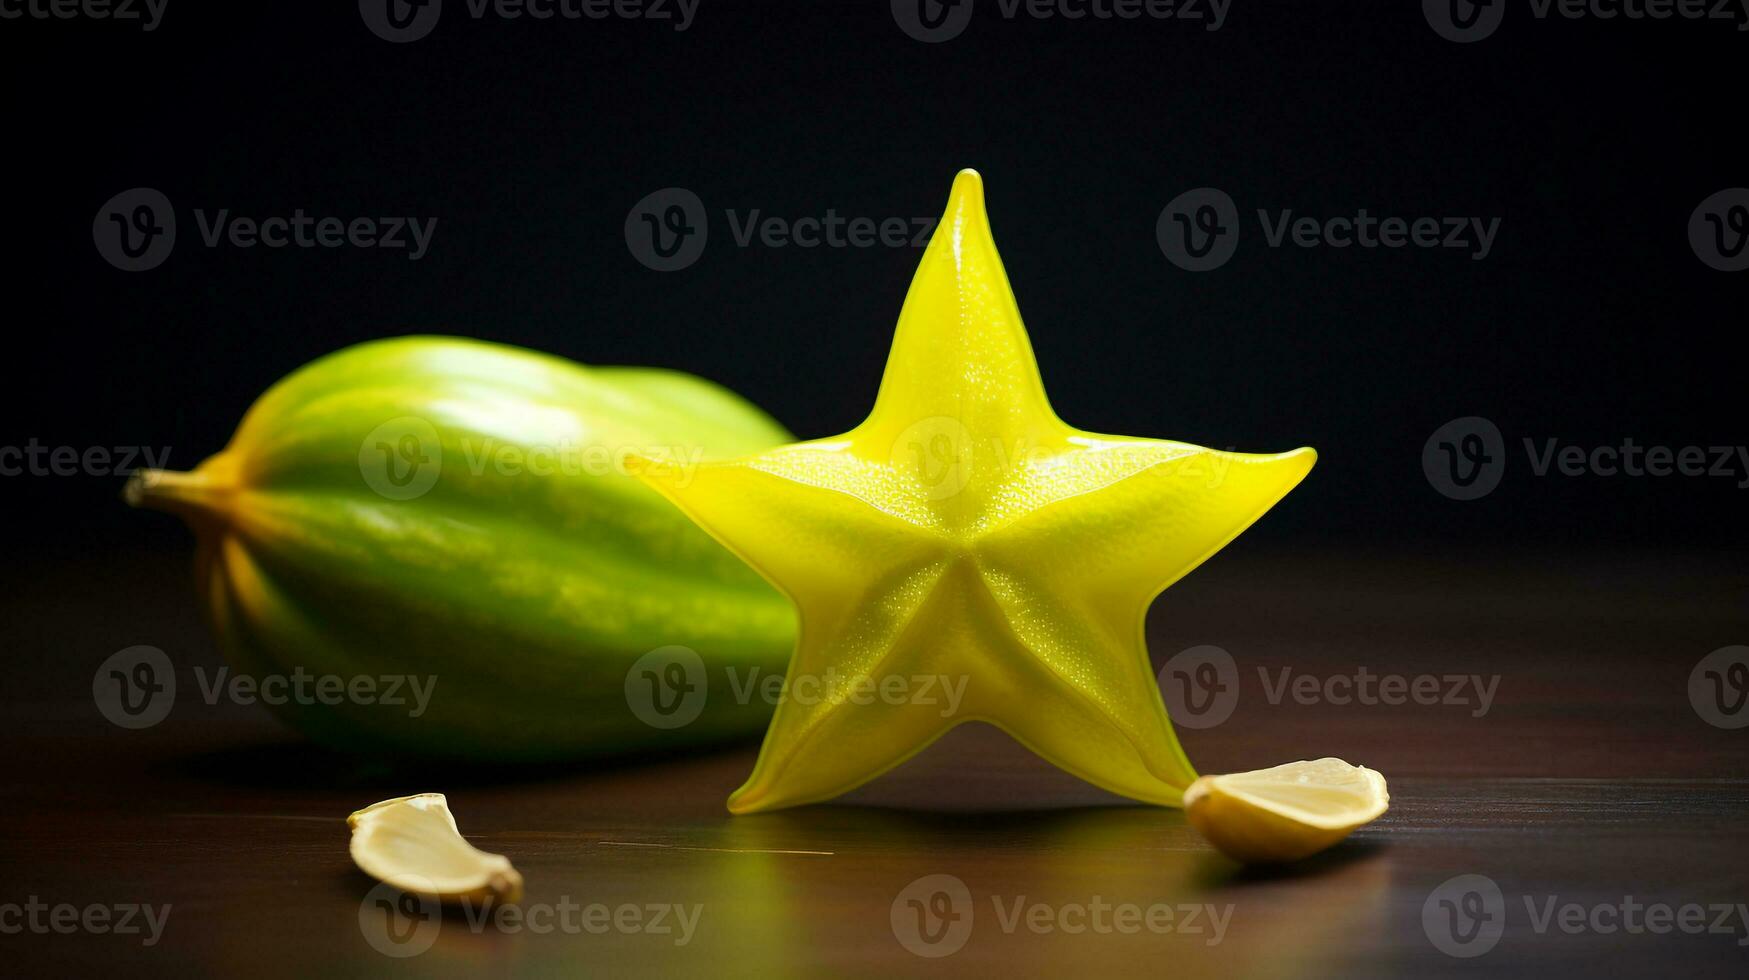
(201, 494)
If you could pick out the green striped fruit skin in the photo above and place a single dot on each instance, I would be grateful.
(527, 578)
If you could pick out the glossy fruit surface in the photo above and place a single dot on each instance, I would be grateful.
(964, 555)
(1286, 812)
(460, 515)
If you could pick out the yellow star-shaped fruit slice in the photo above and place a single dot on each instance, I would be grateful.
(963, 535)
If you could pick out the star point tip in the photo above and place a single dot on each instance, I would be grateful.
(744, 801)
(968, 191)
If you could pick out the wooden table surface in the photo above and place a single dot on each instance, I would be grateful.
(1589, 781)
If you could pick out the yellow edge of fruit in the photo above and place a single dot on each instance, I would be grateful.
(1254, 830)
(412, 843)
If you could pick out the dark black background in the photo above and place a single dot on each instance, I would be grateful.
(529, 141)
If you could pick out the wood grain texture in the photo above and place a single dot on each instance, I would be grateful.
(1589, 779)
